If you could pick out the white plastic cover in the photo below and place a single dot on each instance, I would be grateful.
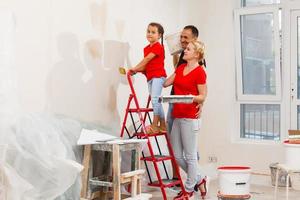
(41, 151)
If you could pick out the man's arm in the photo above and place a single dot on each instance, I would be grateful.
(175, 60)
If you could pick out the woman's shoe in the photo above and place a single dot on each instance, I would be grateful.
(201, 186)
(182, 195)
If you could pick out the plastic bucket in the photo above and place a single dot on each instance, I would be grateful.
(173, 42)
(234, 180)
(281, 176)
(292, 152)
(295, 178)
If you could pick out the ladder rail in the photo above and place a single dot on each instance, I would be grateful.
(126, 115)
(129, 74)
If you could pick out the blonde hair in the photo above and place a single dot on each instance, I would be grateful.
(199, 47)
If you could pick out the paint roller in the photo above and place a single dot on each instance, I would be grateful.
(124, 70)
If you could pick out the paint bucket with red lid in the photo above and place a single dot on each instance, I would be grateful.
(234, 180)
(292, 152)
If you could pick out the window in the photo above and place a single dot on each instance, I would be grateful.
(258, 71)
(298, 117)
(260, 121)
(246, 3)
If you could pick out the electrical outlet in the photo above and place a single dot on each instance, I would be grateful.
(212, 159)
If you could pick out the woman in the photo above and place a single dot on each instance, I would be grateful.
(188, 79)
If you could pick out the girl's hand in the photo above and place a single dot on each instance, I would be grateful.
(132, 72)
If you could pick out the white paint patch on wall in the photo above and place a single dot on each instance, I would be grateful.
(58, 43)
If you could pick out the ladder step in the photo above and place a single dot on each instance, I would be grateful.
(143, 196)
(145, 135)
(98, 181)
(157, 158)
(166, 183)
(140, 110)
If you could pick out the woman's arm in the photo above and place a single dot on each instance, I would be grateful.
(170, 80)
(142, 65)
(200, 98)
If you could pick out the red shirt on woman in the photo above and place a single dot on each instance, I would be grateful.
(187, 85)
(155, 67)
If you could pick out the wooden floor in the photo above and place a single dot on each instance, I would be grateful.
(257, 193)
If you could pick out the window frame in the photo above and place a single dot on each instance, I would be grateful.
(274, 9)
(260, 99)
(236, 138)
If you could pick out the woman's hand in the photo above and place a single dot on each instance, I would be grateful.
(199, 107)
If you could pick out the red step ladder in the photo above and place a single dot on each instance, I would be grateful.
(139, 132)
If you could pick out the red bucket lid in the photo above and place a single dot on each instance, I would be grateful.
(286, 141)
(234, 168)
(291, 143)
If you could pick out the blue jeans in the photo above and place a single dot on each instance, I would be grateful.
(155, 86)
(184, 142)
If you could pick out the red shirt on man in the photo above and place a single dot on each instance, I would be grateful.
(187, 85)
(155, 67)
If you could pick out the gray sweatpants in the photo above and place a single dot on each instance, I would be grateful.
(184, 142)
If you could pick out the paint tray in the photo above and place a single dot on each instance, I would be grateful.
(176, 99)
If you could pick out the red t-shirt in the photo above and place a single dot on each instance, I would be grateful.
(155, 67)
(187, 85)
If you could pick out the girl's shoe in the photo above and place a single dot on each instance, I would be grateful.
(182, 195)
(201, 186)
(151, 129)
(163, 129)
(162, 126)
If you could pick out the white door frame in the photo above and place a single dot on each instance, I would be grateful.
(294, 15)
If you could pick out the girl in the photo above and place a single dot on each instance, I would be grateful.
(153, 67)
(188, 79)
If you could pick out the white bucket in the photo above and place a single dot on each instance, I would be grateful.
(295, 179)
(173, 42)
(234, 180)
(292, 152)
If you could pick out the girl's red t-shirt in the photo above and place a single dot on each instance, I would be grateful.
(187, 85)
(155, 67)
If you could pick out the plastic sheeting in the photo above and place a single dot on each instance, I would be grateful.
(42, 159)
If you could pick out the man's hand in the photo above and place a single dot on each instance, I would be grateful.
(199, 107)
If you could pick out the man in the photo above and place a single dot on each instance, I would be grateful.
(188, 34)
